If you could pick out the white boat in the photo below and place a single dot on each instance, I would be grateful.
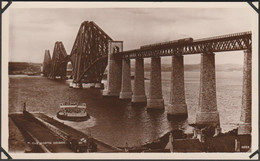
(73, 112)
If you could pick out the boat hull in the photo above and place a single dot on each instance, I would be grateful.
(73, 118)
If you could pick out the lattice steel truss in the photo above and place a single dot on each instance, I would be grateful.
(46, 64)
(89, 53)
(59, 61)
(231, 42)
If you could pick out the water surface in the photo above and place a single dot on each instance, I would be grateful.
(114, 121)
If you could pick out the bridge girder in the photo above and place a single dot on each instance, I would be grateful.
(46, 63)
(232, 42)
(89, 52)
(59, 61)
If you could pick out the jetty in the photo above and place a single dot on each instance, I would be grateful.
(47, 135)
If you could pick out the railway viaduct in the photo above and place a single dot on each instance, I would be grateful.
(119, 78)
(93, 50)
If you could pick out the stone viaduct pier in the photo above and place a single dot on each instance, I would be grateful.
(119, 78)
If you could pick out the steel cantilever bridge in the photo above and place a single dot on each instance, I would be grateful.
(89, 53)
(88, 56)
(91, 47)
(59, 61)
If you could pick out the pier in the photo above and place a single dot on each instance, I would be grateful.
(45, 134)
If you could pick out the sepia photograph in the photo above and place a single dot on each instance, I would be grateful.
(136, 80)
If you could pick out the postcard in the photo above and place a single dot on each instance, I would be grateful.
(130, 80)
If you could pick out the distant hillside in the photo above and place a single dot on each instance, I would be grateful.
(23, 68)
(195, 67)
(229, 67)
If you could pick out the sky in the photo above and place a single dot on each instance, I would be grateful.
(34, 30)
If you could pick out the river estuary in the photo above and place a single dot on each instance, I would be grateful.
(114, 121)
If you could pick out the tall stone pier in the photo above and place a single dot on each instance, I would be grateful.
(177, 106)
(114, 73)
(155, 99)
(138, 96)
(245, 125)
(126, 90)
(207, 113)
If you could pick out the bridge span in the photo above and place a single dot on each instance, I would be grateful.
(230, 42)
(119, 78)
(94, 50)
